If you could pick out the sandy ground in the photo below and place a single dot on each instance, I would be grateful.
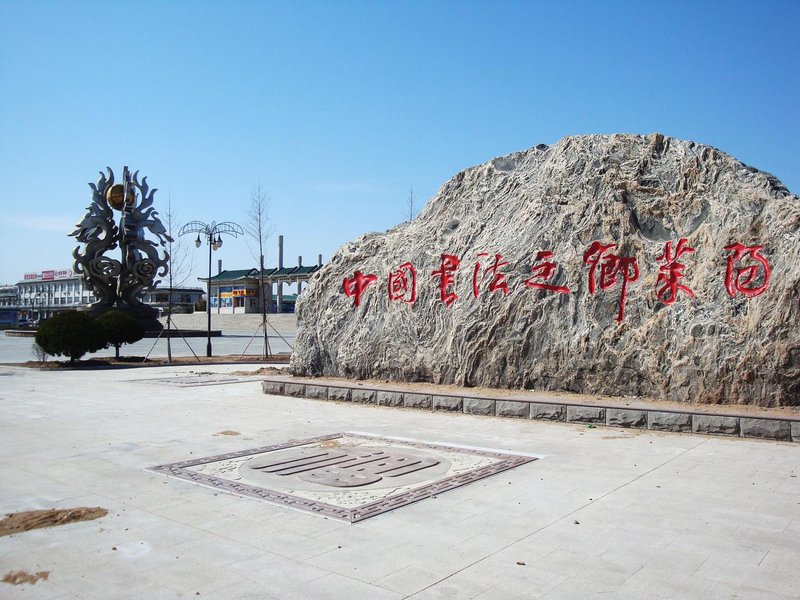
(37, 519)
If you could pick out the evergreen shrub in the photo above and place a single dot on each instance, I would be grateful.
(71, 334)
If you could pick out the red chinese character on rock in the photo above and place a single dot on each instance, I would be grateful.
(741, 279)
(544, 272)
(611, 267)
(449, 266)
(671, 271)
(355, 287)
(403, 284)
(497, 281)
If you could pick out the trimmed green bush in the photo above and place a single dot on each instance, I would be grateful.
(71, 334)
(120, 328)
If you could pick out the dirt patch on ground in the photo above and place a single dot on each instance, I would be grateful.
(37, 519)
(20, 577)
(261, 371)
(228, 432)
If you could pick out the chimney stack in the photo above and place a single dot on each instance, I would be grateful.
(219, 266)
(319, 260)
(279, 303)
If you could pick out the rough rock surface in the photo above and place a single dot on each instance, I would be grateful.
(638, 192)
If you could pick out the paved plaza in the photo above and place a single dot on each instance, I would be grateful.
(603, 512)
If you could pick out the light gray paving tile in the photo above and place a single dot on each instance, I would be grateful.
(733, 574)
(650, 581)
(411, 579)
(601, 569)
(281, 573)
(582, 587)
(500, 593)
(292, 544)
(235, 528)
(513, 577)
(189, 576)
(358, 561)
(723, 591)
(450, 588)
(246, 590)
(155, 592)
(336, 587)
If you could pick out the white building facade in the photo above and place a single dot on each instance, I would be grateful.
(42, 294)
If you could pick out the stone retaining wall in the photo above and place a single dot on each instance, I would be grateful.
(773, 428)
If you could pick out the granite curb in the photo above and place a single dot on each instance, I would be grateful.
(519, 407)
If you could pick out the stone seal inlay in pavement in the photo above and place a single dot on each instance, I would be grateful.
(348, 476)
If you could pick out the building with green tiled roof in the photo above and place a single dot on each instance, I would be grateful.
(236, 291)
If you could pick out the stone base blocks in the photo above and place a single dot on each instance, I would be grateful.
(416, 400)
(317, 392)
(448, 403)
(272, 387)
(678, 421)
(390, 399)
(715, 424)
(294, 389)
(550, 412)
(512, 408)
(623, 417)
(339, 394)
(668, 421)
(479, 406)
(363, 396)
(762, 428)
(586, 414)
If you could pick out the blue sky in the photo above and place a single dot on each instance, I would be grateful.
(338, 109)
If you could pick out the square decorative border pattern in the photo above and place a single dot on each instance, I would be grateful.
(503, 462)
(198, 380)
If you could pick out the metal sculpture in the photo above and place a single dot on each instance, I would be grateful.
(120, 283)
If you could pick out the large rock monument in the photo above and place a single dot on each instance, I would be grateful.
(617, 265)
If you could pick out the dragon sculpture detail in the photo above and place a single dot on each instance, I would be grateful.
(120, 283)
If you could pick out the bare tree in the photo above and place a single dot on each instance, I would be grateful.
(40, 353)
(179, 264)
(410, 206)
(258, 230)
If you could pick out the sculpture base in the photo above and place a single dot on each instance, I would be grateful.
(147, 316)
(179, 333)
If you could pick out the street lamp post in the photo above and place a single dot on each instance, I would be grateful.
(213, 234)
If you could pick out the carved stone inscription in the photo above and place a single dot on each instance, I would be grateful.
(345, 467)
(621, 265)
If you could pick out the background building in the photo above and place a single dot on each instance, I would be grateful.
(236, 291)
(184, 300)
(9, 304)
(41, 295)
